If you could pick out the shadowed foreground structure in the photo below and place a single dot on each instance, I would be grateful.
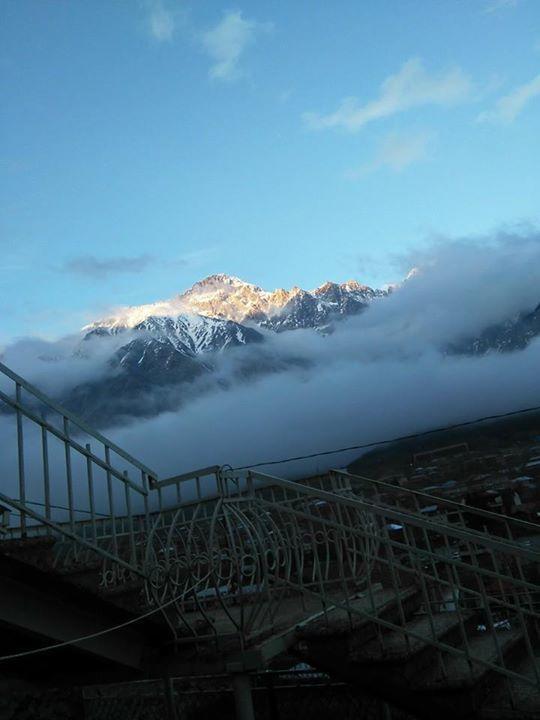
(425, 605)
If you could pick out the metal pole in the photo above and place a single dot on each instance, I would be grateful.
(272, 699)
(170, 703)
(242, 696)
(20, 452)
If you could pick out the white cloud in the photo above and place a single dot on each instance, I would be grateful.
(397, 151)
(382, 373)
(496, 5)
(510, 106)
(226, 42)
(412, 86)
(161, 23)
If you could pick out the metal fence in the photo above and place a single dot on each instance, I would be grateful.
(265, 554)
(238, 557)
(65, 480)
(277, 695)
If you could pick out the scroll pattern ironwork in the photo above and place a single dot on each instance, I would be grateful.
(253, 553)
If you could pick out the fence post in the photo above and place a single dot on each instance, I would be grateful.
(168, 689)
(272, 698)
(243, 699)
(20, 454)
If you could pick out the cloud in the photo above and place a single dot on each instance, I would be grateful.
(344, 404)
(412, 86)
(94, 267)
(496, 5)
(510, 106)
(396, 152)
(227, 41)
(382, 373)
(161, 21)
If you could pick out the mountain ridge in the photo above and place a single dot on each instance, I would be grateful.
(162, 348)
(230, 298)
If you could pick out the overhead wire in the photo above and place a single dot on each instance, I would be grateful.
(84, 638)
(388, 441)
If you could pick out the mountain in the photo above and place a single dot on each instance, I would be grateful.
(170, 344)
(229, 298)
(510, 335)
(188, 335)
(166, 352)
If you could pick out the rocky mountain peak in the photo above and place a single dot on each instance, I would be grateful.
(228, 297)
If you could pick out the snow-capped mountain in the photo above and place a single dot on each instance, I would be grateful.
(157, 343)
(186, 334)
(172, 342)
(229, 298)
(158, 350)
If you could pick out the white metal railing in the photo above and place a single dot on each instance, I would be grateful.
(60, 477)
(264, 553)
(244, 555)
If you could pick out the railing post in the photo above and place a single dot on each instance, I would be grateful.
(168, 688)
(146, 532)
(133, 551)
(272, 698)
(243, 698)
(46, 478)
(20, 454)
(111, 499)
(90, 477)
(68, 475)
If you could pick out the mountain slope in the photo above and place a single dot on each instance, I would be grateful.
(512, 334)
(159, 353)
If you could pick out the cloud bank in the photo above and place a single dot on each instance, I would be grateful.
(380, 374)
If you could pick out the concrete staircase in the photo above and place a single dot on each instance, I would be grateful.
(408, 672)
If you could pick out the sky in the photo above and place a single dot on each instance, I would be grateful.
(145, 144)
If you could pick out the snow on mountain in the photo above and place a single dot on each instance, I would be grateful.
(165, 351)
(226, 297)
(170, 343)
(196, 334)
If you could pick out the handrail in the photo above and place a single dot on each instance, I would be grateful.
(74, 444)
(75, 419)
(66, 532)
(440, 500)
(268, 550)
(66, 477)
(193, 475)
(469, 534)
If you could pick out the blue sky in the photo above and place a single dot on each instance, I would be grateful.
(147, 143)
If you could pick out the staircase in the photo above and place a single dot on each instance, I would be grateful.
(427, 604)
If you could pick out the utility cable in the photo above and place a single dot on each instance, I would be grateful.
(83, 638)
(412, 436)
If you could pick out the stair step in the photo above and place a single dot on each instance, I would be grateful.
(526, 696)
(461, 674)
(338, 622)
(395, 645)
